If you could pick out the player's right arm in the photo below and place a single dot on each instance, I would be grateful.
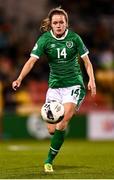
(36, 53)
(25, 70)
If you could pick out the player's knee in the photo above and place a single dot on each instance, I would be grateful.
(51, 130)
(51, 133)
(62, 125)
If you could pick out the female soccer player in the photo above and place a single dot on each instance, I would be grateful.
(62, 47)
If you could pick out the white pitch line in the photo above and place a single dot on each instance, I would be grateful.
(18, 148)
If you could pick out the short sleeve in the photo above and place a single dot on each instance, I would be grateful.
(82, 49)
(38, 49)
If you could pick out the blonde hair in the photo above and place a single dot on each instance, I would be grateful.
(46, 23)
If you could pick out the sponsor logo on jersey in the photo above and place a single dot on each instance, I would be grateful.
(69, 44)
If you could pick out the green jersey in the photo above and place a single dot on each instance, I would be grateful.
(62, 56)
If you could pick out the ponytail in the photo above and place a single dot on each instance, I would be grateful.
(45, 25)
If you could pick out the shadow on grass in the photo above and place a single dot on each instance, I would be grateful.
(60, 167)
(64, 171)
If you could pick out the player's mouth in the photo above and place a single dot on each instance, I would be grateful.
(58, 30)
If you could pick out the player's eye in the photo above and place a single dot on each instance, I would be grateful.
(54, 22)
(61, 22)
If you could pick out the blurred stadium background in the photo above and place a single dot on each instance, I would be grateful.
(19, 29)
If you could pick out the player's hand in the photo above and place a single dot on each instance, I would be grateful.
(92, 88)
(16, 84)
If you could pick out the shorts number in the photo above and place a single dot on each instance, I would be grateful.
(75, 92)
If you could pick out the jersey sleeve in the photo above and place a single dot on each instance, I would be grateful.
(38, 49)
(82, 49)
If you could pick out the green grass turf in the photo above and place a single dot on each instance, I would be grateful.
(76, 160)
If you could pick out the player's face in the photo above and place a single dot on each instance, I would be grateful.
(59, 25)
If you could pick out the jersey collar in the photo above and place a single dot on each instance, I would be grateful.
(61, 38)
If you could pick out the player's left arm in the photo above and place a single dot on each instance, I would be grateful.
(89, 69)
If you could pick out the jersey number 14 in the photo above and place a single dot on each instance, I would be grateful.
(61, 53)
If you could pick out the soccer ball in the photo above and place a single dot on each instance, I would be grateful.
(52, 112)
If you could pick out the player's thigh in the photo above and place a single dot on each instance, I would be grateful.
(69, 112)
(53, 95)
(69, 109)
(74, 94)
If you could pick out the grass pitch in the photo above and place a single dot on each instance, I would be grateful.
(76, 160)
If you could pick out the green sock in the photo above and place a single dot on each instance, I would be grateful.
(56, 143)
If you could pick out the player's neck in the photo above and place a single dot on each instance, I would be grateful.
(62, 36)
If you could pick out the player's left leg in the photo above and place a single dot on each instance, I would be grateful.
(59, 134)
(48, 168)
(71, 98)
(51, 128)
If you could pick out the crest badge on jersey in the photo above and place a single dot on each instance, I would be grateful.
(69, 44)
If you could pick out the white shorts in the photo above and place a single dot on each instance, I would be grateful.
(74, 94)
